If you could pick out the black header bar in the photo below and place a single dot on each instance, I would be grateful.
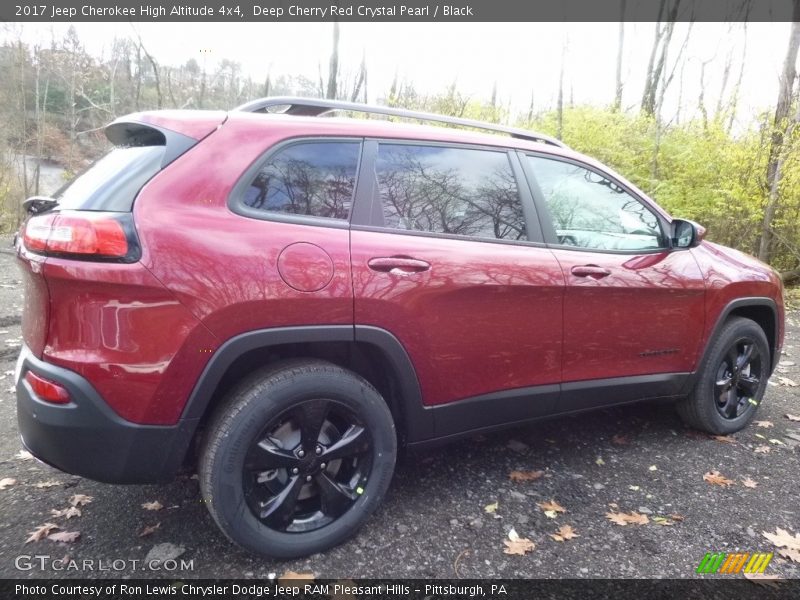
(45, 11)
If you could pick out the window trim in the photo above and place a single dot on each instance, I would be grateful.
(236, 197)
(546, 219)
(367, 213)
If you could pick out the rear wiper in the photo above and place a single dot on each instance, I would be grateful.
(38, 204)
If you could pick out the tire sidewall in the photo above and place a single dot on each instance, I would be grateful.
(705, 387)
(264, 402)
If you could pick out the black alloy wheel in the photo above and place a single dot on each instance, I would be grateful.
(307, 467)
(738, 379)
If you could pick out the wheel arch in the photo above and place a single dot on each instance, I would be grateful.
(372, 352)
(762, 310)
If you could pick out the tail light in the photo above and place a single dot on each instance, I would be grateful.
(83, 234)
(47, 390)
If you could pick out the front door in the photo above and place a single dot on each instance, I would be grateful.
(633, 309)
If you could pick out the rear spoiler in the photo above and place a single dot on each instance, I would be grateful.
(177, 131)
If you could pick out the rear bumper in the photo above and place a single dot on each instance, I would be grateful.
(87, 438)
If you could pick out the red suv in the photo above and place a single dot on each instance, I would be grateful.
(290, 297)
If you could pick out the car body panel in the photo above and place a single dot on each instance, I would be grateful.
(485, 317)
(642, 318)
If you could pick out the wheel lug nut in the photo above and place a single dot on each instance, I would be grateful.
(301, 453)
(295, 471)
(308, 477)
(319, 450)
(322, 465)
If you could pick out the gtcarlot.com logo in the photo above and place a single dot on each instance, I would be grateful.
(44, 562)
(729, 563)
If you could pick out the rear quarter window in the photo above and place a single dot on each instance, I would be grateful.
(314, 178)
(113, 182)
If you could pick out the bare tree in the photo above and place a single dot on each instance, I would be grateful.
(780, 127)
(620, 48)
(333, 68)
(361, 79)
(560, 101)
(658, 55)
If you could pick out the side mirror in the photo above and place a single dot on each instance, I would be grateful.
(686, 234)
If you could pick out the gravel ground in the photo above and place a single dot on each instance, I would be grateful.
(434, 521)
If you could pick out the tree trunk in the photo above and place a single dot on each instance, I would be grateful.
(333, 69)
(780, 126)
(620, 48)
(560, 103)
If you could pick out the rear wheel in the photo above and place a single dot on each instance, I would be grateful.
(297, 458)
(732, 380)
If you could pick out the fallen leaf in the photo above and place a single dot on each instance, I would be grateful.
(790, 553)
(677, 517)
(664, 521)
(154, 505)
(43, 485)
(634, 488)
(41, 532)
(776, 442)
(716, 478)
(552, 506)
(72, 511)
(763, 449)
(620, 440)
(763, 579)
(759, 436)
(148, 530)
(600, 462)
(723, 438)
(525, 475)
(24, 455)
(766, 424)
(290, 576)
(749, 483)
(794, 418)
(783, 539)
(65, 536)
(785, 381)
(492, 508)
(631, 518)
(652, 468)
(517, 545)
(80, 500)
(564, 533)
(7, 482)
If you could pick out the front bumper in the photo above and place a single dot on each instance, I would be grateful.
(87, 438)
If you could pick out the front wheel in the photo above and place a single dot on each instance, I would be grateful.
(732, 380)
(297, 458)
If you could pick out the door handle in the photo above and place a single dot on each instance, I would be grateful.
(398, 265)
(592, 271)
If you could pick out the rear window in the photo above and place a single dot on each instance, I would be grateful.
(111, 184)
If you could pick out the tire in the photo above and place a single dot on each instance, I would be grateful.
(297, 458)
(729, 386)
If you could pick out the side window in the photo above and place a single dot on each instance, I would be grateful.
(307, 178)
(449, 190)
(591, 211)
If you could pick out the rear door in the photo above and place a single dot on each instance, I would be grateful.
(448, 256)
(633, 309)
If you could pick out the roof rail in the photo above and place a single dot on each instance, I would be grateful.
(314, 107)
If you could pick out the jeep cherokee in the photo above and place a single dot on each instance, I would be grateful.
(288, 298)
